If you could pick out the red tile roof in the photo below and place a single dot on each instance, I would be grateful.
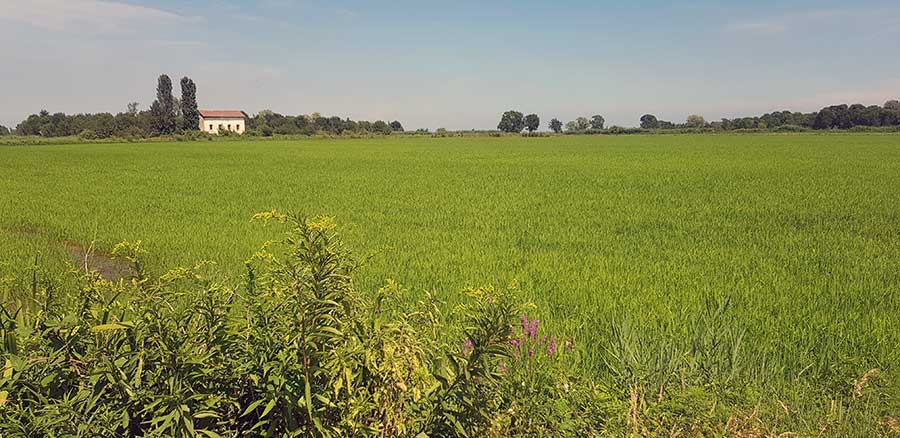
(216, 114)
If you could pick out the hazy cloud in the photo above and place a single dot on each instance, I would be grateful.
(86, 15)
(784, 23)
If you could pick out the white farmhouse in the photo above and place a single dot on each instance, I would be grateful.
(213, 121)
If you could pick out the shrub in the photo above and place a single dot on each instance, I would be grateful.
(294, 350)
(790, 128)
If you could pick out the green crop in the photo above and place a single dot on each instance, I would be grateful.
(708, 284)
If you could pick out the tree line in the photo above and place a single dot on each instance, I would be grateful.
(169, 115)
(832, 117)
(267, 123)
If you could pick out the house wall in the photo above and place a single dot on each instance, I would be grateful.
(213, 125)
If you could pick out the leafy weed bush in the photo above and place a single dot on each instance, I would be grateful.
(293, 350)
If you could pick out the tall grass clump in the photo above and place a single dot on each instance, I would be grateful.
(292, 349)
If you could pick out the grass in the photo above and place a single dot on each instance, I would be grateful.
(763, 267)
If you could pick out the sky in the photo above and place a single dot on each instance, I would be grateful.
(452, 64)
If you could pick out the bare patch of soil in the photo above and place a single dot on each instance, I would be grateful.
(89, 259)
(84, 257)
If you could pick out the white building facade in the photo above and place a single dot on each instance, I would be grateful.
(214, 121)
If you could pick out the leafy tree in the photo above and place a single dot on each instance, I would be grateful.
(532, 122)
(870, 116)
(892, 105)
(512, 121)
(556, 126)
(855, 113)
(649, 121)
(825, 119)
(396, 126)
(842, 117)
(381, 127)
(889, 117)
(597, 122)
(163, 109)
(696, 121)
(571, 126)
(132, 108)
(4, 130)
(582, 123)
(189, 111)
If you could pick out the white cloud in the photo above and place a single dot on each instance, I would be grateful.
(91, 16)
(784, 23)
(865, 20)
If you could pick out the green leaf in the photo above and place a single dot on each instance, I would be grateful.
(269, 407)
(252, 407)
(112, 326)
(308, 394)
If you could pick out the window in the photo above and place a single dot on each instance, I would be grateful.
(229, 126)
(220, 126)
(210, 126)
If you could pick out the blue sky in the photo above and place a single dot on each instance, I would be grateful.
(454, 64)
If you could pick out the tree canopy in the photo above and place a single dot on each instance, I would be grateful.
(189, 112)
(649, 121)
(556, 126)
(163, 108)
(512, 121)
(532, 122)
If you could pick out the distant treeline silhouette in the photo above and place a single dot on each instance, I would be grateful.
(831, 117)
(169, 115)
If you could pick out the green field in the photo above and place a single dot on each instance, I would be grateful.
(767, 264)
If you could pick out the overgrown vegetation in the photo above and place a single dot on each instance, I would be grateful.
(293, 350)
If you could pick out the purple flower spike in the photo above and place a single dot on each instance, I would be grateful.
(531, 352)
(467, 346)
(515, 342)
(551, 347)
(533, 329)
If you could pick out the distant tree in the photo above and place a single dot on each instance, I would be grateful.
(572, 126)
(396, 126)
(512, 121)
(892, 105)
(381, 127)
(582, 123)
(696, 121)
(4, 130)
(649, 121)
(163, 109)
(132, 108)
(825, 119)
(532, 122)
(870, 116)
(855, 113)
(597, 122)
(842, 118)
(189, 112)
(889, 117)
(556, 126)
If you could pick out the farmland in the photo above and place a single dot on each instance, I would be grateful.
(767, 267)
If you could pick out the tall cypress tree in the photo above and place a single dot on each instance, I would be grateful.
(163, 109)
(189, 113)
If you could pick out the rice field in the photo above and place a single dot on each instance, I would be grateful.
(761, 268)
